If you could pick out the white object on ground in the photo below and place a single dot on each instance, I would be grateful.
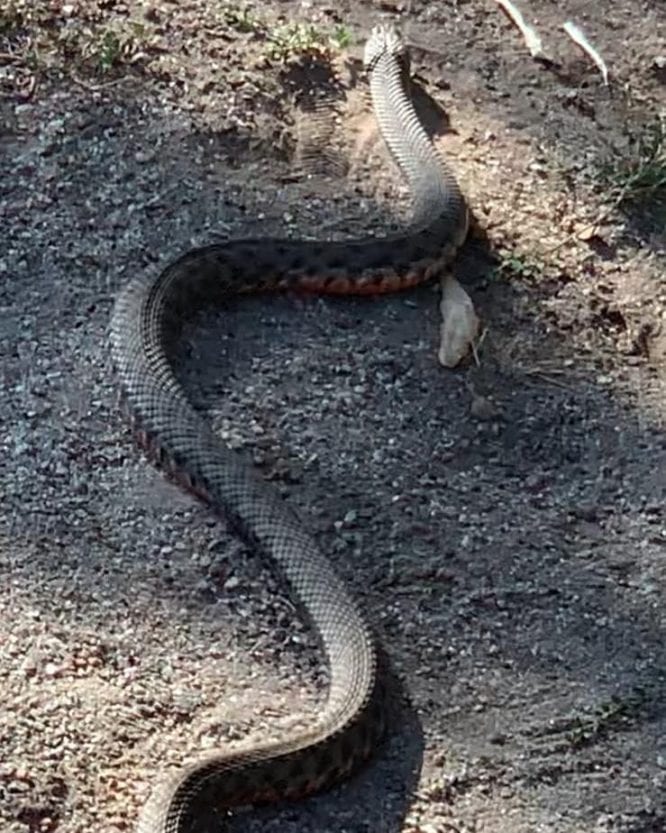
(530, 35)
(581, 41)
(460, 323)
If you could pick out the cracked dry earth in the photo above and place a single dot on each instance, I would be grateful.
(502, 525)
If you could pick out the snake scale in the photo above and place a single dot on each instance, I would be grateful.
(146, 321)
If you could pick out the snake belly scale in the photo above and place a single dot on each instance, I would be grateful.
(146, 322)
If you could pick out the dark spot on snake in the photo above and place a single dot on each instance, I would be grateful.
(322, 766)
(335, 262)
(346, 749)
(280, 785)
(386, 257)
(368, 738)
(299, 776)
(280, 249)
(177, 460)
(310, 270)
(401, 269)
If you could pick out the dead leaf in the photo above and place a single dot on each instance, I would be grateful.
(460, 323)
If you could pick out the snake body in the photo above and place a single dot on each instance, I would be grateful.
(146, 321)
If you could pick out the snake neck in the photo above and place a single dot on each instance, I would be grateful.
(437, 202)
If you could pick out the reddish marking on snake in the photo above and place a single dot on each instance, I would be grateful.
(377, 284)
(182, 478)
(272, 795)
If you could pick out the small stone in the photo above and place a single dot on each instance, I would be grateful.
(483, 408)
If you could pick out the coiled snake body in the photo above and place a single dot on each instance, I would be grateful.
(146, 321)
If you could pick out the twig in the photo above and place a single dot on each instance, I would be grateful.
(476, 346)
(530, 36)
(548, 372)
(95, 88)
(548, 379)
(583, 43)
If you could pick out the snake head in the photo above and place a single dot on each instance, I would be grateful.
(384, 40)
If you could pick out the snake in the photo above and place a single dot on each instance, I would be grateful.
(147, 320)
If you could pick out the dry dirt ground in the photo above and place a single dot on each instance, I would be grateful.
(503, 525)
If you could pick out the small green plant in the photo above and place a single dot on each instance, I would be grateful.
(242, 19)
(614, 715)
(640, 178)
(32, 60)
(295, 40)
(11, 20)
(341, 37)
(518, 266)
(40, 39)
(109, 51)
(113, 46)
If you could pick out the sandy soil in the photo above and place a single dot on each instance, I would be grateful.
(503, 525)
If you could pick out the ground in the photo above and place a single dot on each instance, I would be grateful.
(502, 525)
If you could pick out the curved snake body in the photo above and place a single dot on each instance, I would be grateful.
(146, 321)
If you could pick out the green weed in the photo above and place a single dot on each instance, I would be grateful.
(639, 178)
(296, 40)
